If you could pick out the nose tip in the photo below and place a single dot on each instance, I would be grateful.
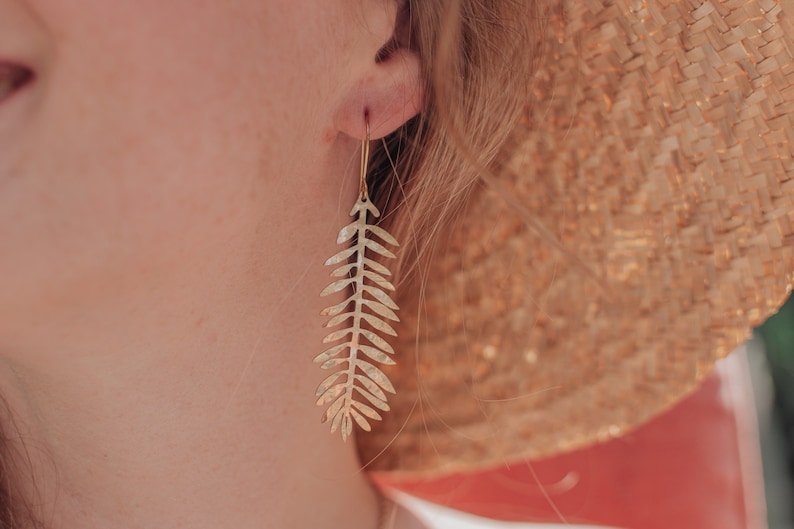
(13, 77)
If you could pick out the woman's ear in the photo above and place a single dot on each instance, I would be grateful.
(389, 89)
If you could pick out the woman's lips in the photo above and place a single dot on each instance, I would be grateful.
(12, 78)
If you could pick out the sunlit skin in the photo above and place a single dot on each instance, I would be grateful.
(171, 180)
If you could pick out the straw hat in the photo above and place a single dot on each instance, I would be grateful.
(660, 152)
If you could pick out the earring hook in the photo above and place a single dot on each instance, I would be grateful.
(362, 188)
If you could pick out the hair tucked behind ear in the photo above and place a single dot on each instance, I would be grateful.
(478, 57)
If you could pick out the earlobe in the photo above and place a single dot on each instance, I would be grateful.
(390, 95)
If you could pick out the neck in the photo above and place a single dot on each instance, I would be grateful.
(200, 418)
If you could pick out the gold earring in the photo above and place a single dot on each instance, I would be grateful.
(364, 314)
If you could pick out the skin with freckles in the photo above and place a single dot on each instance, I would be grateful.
(171, 181)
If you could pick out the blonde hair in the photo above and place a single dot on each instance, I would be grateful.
(477, 57)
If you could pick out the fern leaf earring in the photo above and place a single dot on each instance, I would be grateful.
(357, 390)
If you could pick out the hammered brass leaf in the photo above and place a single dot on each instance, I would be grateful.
(369, 305)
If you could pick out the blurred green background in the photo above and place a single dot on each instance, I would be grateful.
(777, 424)
(778, 338)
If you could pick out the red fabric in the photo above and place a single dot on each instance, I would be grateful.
(694, 467)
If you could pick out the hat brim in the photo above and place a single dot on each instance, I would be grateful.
(657, 150)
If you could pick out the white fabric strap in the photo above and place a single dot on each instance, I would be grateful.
(437, 517)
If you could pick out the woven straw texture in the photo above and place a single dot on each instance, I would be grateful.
(659, 151)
